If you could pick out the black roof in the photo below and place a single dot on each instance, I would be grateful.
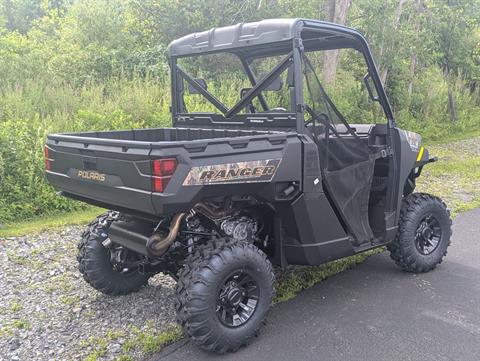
(278, 33)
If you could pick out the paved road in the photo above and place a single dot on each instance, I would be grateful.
(376, 312)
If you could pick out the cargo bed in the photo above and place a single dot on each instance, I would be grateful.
(113, 169)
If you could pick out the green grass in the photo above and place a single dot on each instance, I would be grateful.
(146, 341)
(456, 176)
(52, 222)
(21, 324)
(99, 349)
(16, 306)
(99, 345)
(294, 279)
(454, 137)
(150, 340)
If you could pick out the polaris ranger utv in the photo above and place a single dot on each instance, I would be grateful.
(231, 189)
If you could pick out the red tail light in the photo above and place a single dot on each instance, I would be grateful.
(162, 172)
(48, 160)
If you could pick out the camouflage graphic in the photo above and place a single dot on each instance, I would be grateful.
(241, 172)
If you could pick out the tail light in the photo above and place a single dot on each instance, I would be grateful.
(48, 160)
(162, 172)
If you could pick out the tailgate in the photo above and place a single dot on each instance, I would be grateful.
(107, 172)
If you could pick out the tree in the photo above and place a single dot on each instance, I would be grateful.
(389, 44)
(20, 14)
(454, 24)
(335, 12)
(8, 11)
(416, 34)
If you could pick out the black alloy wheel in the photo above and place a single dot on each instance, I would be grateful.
(428, 234)
(237, 299)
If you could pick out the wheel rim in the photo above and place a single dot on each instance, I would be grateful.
(428, 235)
(237, 299)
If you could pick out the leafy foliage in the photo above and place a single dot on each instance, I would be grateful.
(69, 65)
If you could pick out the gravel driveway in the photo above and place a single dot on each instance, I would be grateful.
(48, 312)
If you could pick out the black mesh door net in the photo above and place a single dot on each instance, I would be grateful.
(346, 160)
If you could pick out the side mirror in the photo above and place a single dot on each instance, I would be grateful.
(367, 80)
(192, 90)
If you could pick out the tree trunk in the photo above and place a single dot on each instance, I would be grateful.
(452, 107)
(396, 21)
(413, 65)
(336, 12)
(329, 10)
(383, 75)
(413, 57)
(8, 12)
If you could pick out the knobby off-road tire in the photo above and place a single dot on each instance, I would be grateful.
(423, 235)
(95, 266)
(206, 290)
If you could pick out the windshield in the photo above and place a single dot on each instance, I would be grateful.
(227, 85)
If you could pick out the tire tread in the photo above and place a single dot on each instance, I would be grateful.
(191, 274)
(95, 233)
(402, 250)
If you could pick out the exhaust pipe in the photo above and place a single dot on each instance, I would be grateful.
(212, 212)
(158, 245)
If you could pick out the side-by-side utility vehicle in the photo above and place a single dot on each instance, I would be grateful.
(274, 174)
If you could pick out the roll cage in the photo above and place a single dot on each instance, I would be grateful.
(290, 38)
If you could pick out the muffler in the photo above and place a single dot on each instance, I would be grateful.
(137, 236)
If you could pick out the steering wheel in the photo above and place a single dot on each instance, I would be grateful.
(314, 116)
(318, 116)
